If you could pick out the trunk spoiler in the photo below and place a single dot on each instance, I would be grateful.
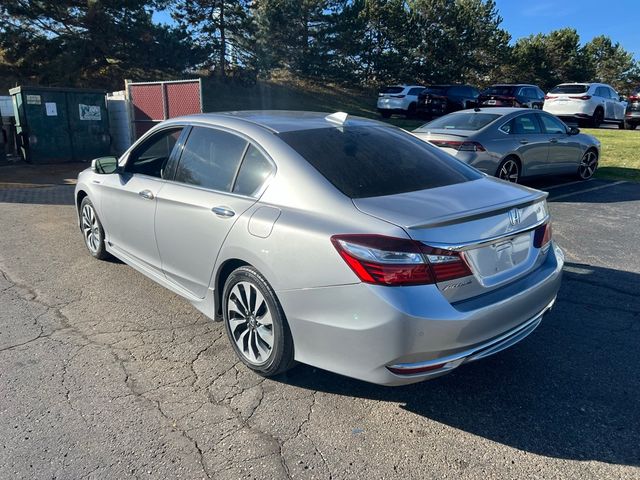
(480, 212)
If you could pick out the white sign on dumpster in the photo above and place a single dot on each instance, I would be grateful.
(89, 112)
(52, 109)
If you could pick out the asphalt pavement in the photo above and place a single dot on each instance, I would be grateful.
(104, 374)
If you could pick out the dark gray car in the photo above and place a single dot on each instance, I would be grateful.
(511, 143)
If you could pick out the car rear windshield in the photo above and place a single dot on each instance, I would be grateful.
(500, 90)
(365, 162)
(460, 121)
(392, 90)
(570, 89)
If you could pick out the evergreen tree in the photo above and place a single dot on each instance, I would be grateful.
(222, 28)
(99, 43)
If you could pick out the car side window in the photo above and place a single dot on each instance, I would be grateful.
(210, 159)
(255, 169)
(415, 91)
(152, 156)
(602, 92)
(552, 125)
(613, 94)
(524, 125)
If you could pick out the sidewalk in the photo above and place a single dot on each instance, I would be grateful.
(24, 175)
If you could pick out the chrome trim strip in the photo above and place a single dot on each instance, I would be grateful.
(487, 241)
(495, 345)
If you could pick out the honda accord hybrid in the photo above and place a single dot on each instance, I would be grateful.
(335, 241)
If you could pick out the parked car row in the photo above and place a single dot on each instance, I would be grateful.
(589, 104)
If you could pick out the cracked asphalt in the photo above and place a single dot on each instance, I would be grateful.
(104, 374)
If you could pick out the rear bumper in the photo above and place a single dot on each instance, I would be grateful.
(361, 330)
(570, 109)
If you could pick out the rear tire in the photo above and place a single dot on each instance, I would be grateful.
(588, 165)
(509, 170)
(385, 114)
(411, 112)
(622, 125)
(92, 230)
(597, 118)
(255, 323)
(630, 126)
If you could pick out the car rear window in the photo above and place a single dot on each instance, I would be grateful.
(460, 121)
(500, 90)
(365, 162)
(570, 89)
(392, 90)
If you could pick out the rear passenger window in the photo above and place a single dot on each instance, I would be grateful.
(210, 159)
(415, 91)
(254, 171)
(523, 125)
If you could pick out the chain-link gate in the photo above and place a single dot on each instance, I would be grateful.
(153, 102)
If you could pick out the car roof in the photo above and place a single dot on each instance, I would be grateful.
(277, 121)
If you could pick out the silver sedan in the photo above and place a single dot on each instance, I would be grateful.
(511, 143)
(338, 242)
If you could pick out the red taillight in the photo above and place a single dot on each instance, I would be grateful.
(398, 96)
(549, 97)
(542, 235)
(633, 98)
(582, 97)
(460, 146)
(392, 261)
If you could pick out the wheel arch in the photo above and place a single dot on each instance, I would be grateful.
(223, 272)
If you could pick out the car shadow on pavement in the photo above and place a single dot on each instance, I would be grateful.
(570, 390)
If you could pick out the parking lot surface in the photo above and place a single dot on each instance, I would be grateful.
(104, 374)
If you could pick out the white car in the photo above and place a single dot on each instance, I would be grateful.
(591, 103)
(401, 99)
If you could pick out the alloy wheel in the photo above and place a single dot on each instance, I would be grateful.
(250, 322)
(509, 171)
(90, 228)
(588, 165)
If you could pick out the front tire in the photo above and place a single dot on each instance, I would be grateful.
(509, 170)
(92, 230)
(256, 324)
(588, 165)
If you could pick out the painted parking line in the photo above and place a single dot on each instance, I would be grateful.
(600, 187)
(553, 187)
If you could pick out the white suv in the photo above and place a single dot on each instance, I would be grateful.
(399, 99)
(593, 103)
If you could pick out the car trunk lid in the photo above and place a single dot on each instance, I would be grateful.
(490, 222)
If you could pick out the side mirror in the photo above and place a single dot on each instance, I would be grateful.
(105, 165)
(573, 131)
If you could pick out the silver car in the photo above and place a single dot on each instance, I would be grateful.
(511, 143)
(338, 242)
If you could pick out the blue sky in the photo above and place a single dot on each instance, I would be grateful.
(616, 18)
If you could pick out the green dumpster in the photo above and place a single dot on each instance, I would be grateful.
(56, 125)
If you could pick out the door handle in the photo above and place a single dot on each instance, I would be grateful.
(224, 212)
(148, 194)
(524, 142)
(554, 140)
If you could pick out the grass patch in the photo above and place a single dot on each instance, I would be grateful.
(620, 153)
